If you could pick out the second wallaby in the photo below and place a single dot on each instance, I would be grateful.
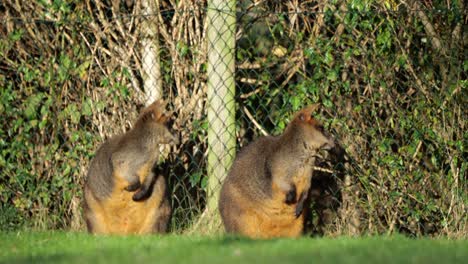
(266, 190)
(123, 194)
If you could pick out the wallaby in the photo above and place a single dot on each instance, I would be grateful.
(122, 193)
(265, 191)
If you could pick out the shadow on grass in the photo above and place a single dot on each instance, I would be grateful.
(56, 258)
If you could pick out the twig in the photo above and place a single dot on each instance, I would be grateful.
(247, 95)
(249, 115)
(118, 22)
(420, 84)
(428, 27)
(417, 149)
(248, 65)
(411, 166)
(251, 81)
(93, 51)
(394, 217)
(323, 170)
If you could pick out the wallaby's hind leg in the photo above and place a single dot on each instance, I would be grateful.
(163, 217)
(157, 209)
(94, 215)
(230, 208)
(163, 211)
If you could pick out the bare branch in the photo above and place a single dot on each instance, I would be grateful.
(429, 28)
(257, 125)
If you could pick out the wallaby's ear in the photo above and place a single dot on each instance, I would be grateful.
(162, 119)
(169, 138)
(306, 113)
(158, 104)
(161, 105)
(159, 108)
(302, 117)
(309, 110)
(155, 115)
(153, 111)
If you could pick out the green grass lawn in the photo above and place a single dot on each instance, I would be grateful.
(62, 247)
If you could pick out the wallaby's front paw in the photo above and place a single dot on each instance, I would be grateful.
(299, 208)
(133, 187)
(291, 196)
(300, 204)
(142, 194)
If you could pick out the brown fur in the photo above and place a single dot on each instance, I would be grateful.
(123, 195)
(265, 192)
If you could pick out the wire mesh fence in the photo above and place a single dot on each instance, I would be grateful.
(390, 78)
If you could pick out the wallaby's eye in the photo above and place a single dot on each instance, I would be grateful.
(302, 117)
(320, 128)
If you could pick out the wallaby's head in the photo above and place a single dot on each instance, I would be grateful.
(310, 130)
(154, 118)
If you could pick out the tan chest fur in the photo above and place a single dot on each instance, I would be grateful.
(119, 214)
(267, 219)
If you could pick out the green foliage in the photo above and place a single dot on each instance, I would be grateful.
(45, 134)
(43, 143)
(390, 104)
(389, 97)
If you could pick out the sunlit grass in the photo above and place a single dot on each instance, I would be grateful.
(63, 247)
